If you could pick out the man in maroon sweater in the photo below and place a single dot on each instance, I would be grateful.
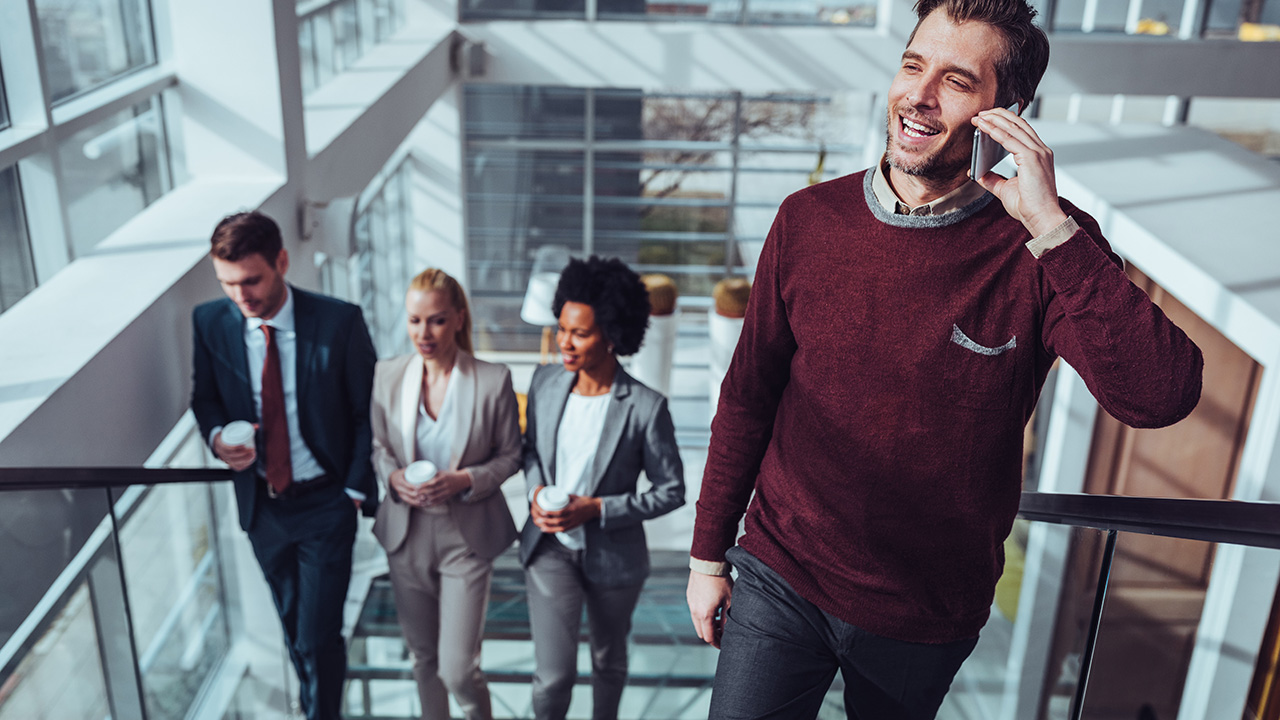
(901, 325)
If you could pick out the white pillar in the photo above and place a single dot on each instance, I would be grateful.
(724, 333)
(652, 364)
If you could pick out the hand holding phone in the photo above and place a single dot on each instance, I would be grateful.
(986, 152)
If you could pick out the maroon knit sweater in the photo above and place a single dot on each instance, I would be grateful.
(877, 396)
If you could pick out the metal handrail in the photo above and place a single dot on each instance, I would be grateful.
(1255, 524)
(63, 478)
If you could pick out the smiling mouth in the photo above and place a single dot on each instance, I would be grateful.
(913, 129)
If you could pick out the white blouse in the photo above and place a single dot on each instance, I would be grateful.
(435, 437)
(577, 440)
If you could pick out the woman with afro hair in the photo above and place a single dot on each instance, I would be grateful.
(591, 429)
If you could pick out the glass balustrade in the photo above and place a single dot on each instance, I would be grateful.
(146, 597)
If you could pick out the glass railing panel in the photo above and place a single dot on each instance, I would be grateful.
(1184, 621)
(1027, 661)
(173, 569)
(63, 621)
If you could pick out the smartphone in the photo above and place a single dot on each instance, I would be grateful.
(987, 152)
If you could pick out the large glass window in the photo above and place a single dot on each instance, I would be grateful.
(17, 276)
(332, 36)
(1144, 17)
(88, 42)
(111, 171)
(1253, 123)
(1228, 18)
(774, 12)
(384, 238)
(675, 183)
(4, 108)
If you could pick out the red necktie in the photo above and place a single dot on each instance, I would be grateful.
(275, 424)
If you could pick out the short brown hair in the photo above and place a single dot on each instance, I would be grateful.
(243, 234)
(432, 279)
(1026, 47)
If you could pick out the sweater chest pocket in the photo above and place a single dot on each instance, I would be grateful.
(979, 375)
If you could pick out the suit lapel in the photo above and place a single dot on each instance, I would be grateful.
(615, 421)
(410, 399)
(464, 404)
(233, 335)
(551, 406)
(304, 327)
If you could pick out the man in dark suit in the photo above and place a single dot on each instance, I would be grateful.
(300, 366)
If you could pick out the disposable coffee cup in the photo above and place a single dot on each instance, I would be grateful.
(552, 498)
(419, 472)
(238, 433)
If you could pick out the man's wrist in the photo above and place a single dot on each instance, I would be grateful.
(710, 567)
(1043, 225)
(1056, 236)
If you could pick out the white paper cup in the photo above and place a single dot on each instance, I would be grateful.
(238, 433)
(419, 472)
(552, 498)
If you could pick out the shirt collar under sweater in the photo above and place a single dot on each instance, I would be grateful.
(887, 216)
(955, 200)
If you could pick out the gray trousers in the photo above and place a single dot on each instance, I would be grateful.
(442, 590)
(557, 591)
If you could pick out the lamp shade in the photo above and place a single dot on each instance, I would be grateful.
(548, 262)
(541, 292)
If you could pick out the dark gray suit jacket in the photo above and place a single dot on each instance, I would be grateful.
(335, 379)
(638, 435)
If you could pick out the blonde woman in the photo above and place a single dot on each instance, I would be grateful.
(443, 405)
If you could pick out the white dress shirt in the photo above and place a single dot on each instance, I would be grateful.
(305, 465)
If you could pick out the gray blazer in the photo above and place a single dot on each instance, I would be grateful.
(486, 443)
(638, 435)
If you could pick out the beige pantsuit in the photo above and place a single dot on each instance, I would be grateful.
(441, 558)
(435, 575)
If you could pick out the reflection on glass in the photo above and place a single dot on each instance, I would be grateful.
(307, 53)
(112, 171)
(322, 39)
(1150, 17)
(1253, 123)
(17, 275)
(346, 34)
(662, 193)
(524, 9)
(800, 12)
(384, 242)
(1227, 17)
(332, 37)
(42, 533)
(170, 559)
(502, 112)
(4, 107)
(851, 12)
(88, 42)
(1148, 109)
(1155, 600)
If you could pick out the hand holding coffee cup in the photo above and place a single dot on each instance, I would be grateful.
(552, 499)
(408, 483)
(419, 472)
(238, 432)
(555, 510)
(234, 444)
